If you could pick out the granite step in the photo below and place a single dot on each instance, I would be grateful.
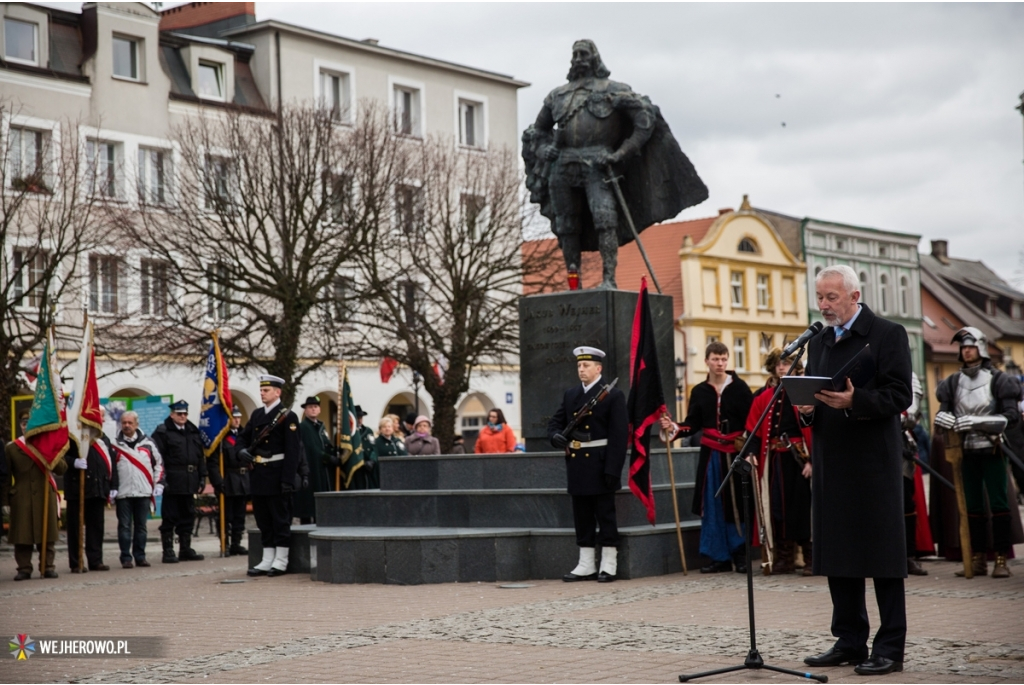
(509, 471)
(536, 508)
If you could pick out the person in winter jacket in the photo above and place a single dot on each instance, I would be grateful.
(140, 471)
(497, 436)
(421, 442)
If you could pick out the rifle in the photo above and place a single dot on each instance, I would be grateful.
(245, 454)
(586, 409)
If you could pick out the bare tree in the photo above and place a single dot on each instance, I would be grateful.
(441, 283)
(48, 223)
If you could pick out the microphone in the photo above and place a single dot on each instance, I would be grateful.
(811, 331)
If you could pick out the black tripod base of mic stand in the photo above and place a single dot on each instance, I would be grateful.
(754, 662)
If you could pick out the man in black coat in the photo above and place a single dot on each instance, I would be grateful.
(181, 446)
(271, 443)
(101, 484)
(857, 505)
(233, 482)
(594, 454)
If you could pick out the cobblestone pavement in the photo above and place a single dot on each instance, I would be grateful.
(291, 629)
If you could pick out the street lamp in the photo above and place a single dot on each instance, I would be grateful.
(680, 385)
(416, 379)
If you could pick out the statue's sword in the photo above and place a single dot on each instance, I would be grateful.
(614, 180)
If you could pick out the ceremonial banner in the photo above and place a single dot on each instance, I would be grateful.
(46, 435)
(350, 443)
(387, 368)
(646, 402)
(215, 415)
(85, 422)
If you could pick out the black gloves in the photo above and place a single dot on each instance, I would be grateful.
(287, 488)
(611, 482)
(246, 456)
(559, 441)
(305, 483)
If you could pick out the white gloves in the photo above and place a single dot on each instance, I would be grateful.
(113, 495)
(945, 419)
(81, 464)
(7, 510)
(158, 489)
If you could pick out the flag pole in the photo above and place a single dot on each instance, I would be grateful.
(46, 490)
(675, 500)
(81, 483)
(337, 422)
(223, 476)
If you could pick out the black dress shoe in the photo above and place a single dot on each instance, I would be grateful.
(99, 567)
(255, 572)
(142, 563)
(50, 573)
(835, 657)
(603, 577)
(23, 575)
(718, 567)
(572, 577)
(914, 567)
(878, 665)
(273, 572)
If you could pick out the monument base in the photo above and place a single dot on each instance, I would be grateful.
(553, 324)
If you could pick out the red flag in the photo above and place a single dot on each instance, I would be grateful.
(646, 402)
(387, 368)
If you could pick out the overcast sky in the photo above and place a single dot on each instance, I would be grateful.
(897, 116)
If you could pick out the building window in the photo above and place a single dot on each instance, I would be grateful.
(711, 337)
(883, 293)
(104, 172)
(126, 58)
(990, 307)
(153, 175)
(21, 41)
(29, 273)
(747, 245)
(336, 95)
(788, 294)
(409, 209)
(28, 150)
(342, 299)
(407, 111)
(840, 244)
(471, 119)
(211, 80)
(739, 349)
(472, 213)
(103, 287)
(154, 288)
(220, 293)
(764, 293)
(1017, 310)
(904, 295)
(882, 252)
(709, 279)
(736, 288)
(218, 184)
(408, 300)
(864, 288)
(340, 196)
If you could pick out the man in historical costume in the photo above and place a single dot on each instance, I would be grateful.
(915, 510)
(718, 407)
(782, 446)
(140, 472)
(271, 443)
(24, 497)
(233, 483)
(857, 451)
(101, 485)
(303, 504)
(980, 403)
(369, 475)
(181, 446)
(317, 446)
(589, 130)
(595, 451)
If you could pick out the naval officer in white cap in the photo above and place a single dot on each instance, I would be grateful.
(595, 452)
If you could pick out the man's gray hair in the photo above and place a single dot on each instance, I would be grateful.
(850, 280)
(130, 415)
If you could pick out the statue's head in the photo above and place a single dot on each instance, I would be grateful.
(586, 61)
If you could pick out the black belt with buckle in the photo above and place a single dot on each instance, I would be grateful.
(242, 471)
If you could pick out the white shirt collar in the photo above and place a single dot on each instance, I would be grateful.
(849, 324)
(586, 388)
(273, 404)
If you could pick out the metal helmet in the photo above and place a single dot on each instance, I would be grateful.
(969, 336)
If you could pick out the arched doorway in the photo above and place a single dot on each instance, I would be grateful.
(245, 403)
(405, 403)
(471, 416)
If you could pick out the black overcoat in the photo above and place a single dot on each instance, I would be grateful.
(235, 480)
(183, 455)
(266, 478)
(99, 479)
(728, 416)
(857, 481)
(587, 466)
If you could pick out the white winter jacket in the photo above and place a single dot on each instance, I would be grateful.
(132, 457)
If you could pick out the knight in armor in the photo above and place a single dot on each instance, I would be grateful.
(592, 127)
(233, 483)
(915, 512)
(270, 443)
(980, 403)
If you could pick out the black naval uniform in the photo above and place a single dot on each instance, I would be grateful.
(234, 483)
(272, 479)
(594, 473)
(185, 475)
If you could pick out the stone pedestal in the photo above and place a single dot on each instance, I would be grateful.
(552, 325)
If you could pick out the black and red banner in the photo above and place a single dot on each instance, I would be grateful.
(646, 401)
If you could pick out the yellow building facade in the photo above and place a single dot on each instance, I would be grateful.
(741, 286)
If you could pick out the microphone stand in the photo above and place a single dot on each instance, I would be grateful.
(754, 660)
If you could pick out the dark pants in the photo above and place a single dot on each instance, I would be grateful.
(234, 517)
(132, 513)
(850, 616)
(910, 516)
(589, 511)
(273, 514)
(93, 531)
(179, 514)
(23, 557)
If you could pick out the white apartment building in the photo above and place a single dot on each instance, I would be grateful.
(127, 74)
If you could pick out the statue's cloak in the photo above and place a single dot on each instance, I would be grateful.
(657, 184)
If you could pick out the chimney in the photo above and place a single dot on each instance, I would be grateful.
(724, 210)
(940, 250)
(194, 14)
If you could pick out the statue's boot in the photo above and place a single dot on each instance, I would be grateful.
(609, 244)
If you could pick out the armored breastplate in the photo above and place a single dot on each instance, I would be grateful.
(974, 398)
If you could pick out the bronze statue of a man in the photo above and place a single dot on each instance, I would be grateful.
(593, 131)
